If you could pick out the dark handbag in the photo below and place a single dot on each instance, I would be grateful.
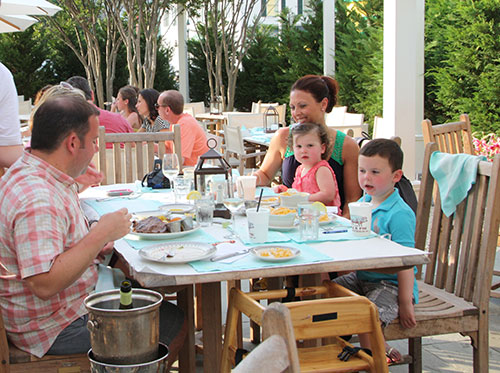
(155, 179)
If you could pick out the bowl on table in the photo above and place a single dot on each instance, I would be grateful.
(282, 217)
(291, 198)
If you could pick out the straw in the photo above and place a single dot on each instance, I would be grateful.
(364, 196)
(260, 198)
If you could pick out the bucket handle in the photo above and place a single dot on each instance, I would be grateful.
(92, 325)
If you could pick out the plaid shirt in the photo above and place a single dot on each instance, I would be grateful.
(40, 218)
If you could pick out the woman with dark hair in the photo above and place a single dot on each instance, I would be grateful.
(125, 103)
(146, 107)
(310, 98)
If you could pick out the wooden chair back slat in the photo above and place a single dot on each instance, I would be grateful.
(133, 154)
(454, 138)
(457, 242)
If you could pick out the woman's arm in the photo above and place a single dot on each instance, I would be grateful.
(327, 189)
(273, 159)
(352, 190)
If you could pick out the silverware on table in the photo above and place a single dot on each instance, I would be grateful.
(230, 255)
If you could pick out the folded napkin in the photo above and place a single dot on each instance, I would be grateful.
(307, 255)
(455, 175)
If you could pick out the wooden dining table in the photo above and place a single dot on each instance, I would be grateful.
(374, 253)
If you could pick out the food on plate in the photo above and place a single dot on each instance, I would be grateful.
(324, 218)
(162, 224)
(269, 200)
(276, 252)
(282, 211)
(289, 193)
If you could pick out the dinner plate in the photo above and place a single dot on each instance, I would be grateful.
(177, 208)
(145, 214)
(164, 236)
(331, 219)
(270, 201)
(258, 251)
(178, 252)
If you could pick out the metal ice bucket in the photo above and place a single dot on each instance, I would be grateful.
(124, 336)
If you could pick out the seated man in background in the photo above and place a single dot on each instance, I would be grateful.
(193, 138)
(49, 254)
(113, 122)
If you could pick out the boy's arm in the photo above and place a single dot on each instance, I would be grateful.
(406, 279)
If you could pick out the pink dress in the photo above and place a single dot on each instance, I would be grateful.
(307, 183)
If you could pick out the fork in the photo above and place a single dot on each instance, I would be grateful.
(132, 196)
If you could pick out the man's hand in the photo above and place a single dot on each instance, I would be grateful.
(114, 225)
(90, 177)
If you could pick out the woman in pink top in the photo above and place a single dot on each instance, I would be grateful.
(312, 147)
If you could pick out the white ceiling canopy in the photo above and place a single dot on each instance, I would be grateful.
(28, 7)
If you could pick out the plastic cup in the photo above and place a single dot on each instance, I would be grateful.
(308, 222)
(361, 218)
(258, 224)
(246, 187)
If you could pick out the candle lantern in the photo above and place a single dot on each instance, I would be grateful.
(216, 105)
(211, 163)
(271, 119)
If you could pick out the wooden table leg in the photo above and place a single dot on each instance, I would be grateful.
(212, 330)
(198, 321)
(185, 300)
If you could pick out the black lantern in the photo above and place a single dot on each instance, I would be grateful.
(216, 105)
(271, 119)
(211, 163)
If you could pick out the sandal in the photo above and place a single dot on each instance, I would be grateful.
(392, 355)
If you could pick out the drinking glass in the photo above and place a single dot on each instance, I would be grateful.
(233, 205)
(170, 166)
(182, 187)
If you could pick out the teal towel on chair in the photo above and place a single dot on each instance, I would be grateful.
(455, 175)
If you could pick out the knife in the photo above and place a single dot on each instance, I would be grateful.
(230, 255)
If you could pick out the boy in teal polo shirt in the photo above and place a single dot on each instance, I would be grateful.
(379, 169)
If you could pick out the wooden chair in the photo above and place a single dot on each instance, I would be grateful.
(133, 154)
(336, 116)
(352, 124)
(455, 138)
(196, 107)
(261, 107)
(451, 138)
(454, 294)
(278, 352)
(341, 313)
(249, 120)
(235, 147)
(16, 360)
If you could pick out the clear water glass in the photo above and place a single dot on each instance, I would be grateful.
(170, 166)
(233, 205)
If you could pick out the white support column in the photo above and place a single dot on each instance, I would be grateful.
(329, 38)
(419, 89)
(400, 76)
(182, 50)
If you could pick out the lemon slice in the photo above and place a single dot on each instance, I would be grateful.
(192, 195)
(319, 206)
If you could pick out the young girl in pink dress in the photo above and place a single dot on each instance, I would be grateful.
(312, 147)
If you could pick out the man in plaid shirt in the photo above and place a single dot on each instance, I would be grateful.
(48, 255)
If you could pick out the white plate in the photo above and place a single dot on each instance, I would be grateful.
(182, 252)
(257, 251)
(164, 236)
(329, 221)
(146, 214)
(283, 229)
(177, 208)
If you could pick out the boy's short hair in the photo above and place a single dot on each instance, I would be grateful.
(384, 148)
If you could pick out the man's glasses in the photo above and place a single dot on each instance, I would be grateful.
(157, 106)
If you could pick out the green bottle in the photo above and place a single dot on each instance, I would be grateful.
(126, 295)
